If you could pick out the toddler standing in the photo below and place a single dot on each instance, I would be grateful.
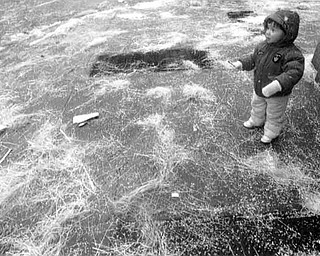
(278, 65)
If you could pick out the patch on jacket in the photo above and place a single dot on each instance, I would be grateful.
(277, 57)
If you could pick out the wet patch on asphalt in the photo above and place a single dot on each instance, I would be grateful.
(163, 60)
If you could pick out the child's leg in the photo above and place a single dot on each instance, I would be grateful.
(258, 111)
(276, 108)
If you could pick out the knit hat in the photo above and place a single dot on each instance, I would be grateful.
(289, 22)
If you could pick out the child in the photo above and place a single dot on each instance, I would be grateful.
(278, 65)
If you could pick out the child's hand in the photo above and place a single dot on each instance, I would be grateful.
(271, 88)
(236, 64)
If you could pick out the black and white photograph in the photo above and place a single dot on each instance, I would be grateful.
(159, 128)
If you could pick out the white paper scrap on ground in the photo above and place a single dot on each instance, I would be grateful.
(82, 124)
(82, 118)
(3, 128)
(175, 194)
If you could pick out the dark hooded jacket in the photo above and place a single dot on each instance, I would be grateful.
(281, 61)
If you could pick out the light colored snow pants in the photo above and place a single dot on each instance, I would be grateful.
(270, 112)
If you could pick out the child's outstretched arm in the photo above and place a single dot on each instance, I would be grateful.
(246, 63)
(249, 61)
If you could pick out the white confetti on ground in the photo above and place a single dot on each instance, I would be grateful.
(132, 16)
(160, 92)
(106, 86)
(103, 15)
(103, 37)
(61, 30)
(188, 64)
(197, 91)
(166, 41)
(153, 121)
(86, 13)
(153, 4)
(169, 15)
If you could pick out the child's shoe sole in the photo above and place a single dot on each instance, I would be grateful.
(249, 124)
(265, 139)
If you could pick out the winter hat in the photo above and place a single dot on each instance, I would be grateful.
(289, 22)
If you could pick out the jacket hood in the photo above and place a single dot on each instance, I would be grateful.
(289, 22)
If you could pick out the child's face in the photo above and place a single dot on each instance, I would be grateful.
(273, 33)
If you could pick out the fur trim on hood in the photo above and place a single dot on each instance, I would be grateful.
(289, 22)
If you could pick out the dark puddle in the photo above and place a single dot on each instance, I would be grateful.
(237, 235)
(163, 60)
(239, 14)
(198, 233)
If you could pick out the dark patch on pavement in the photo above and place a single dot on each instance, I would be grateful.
(163, 60)
(238, 235)
(239, 14)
